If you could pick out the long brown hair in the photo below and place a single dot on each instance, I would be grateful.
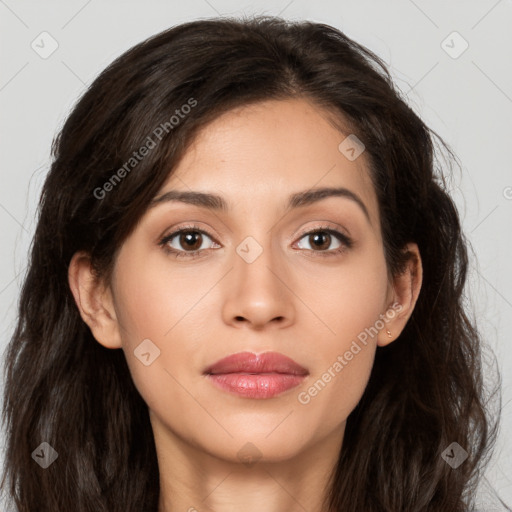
(426, 389)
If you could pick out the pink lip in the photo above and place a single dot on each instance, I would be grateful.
(256, 376)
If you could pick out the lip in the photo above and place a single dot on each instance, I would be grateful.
(256, 376)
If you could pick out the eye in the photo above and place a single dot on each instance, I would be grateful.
(189, 242)
(320, 239)
(186, 242)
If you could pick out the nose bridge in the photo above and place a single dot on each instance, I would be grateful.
(257, 290)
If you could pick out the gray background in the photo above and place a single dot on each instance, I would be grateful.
(467, 100)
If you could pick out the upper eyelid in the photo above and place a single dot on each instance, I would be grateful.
(326, 226)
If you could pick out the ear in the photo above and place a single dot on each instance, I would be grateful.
(94, 301)
(404, 294)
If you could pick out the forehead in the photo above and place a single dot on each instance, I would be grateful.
(266, 151)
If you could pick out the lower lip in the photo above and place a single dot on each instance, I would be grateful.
(261, 385)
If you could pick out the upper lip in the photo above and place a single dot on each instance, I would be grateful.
(248, 362)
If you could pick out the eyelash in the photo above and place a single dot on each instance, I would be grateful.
(345, 241)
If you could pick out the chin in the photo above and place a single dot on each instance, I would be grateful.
(250, 446)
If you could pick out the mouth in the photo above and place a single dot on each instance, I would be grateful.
(257, 376)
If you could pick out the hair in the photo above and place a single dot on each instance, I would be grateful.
(426, 389)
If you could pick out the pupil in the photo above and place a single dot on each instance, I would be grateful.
(191, 239)
(318, 237)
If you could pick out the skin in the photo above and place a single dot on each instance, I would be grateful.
(290, 300)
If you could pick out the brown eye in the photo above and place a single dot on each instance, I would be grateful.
(187, 242)
(325, 241)
(190, 240)
(320, 240)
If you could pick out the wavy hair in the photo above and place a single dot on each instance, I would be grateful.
(426, 389)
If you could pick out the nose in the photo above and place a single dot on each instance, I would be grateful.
(258, 294)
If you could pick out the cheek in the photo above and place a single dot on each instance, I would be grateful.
(152, 299)
(333, 393)
(155, 304)
(350, 301)
(347, 298)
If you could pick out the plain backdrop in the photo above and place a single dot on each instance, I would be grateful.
(460, 84)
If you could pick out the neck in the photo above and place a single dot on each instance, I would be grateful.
(193, 480)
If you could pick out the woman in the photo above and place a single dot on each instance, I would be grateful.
(245, 290)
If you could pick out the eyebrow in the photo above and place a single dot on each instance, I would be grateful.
(297, 200)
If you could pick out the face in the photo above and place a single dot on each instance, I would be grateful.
(304, 278)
